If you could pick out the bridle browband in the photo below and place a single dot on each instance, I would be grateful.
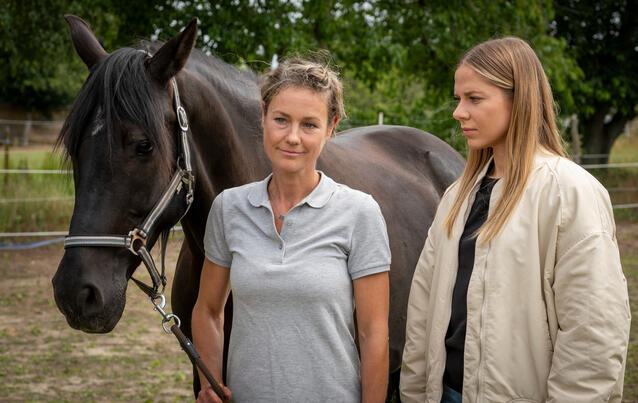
(135, 240)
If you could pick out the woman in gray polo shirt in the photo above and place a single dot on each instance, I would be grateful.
(298, 251)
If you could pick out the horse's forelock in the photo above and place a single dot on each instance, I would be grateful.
(118, 90)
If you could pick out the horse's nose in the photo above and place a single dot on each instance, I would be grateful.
(90, 301)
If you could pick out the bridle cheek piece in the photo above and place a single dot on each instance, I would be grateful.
(135, 240)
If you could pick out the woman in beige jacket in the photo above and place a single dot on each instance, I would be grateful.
(518, 295)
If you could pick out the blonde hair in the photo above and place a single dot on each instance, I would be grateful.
(316, 76)
(510, 64)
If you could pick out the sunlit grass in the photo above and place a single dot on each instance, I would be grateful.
(35, 202)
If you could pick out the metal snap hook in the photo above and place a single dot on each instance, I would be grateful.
(161, 304)
(168, 319)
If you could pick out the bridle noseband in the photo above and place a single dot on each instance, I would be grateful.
(135, 240)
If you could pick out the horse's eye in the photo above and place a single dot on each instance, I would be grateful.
(144, 147)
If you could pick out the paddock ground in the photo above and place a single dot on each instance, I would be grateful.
(43, 359)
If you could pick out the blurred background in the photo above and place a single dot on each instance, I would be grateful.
(397, 59)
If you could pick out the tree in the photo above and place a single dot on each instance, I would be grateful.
(238, 32)
(31, 74)
(602, 36)
(40, 70)
(421, 42)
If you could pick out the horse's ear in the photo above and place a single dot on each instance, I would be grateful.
(172, 56)
(84, 41)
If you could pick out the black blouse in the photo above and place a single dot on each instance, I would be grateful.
(455, 336)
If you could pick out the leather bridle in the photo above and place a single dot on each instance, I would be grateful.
(135, 240)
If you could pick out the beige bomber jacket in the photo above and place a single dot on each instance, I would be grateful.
(547, 307)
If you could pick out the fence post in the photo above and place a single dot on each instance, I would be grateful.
(575, 138)
(27, 130)
(380, 118)
(7, 142)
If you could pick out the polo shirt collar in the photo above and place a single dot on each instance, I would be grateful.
(318, 198)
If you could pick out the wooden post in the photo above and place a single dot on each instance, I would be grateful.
(7, 143)
(380, 118)
(575, 138)
(27, 130)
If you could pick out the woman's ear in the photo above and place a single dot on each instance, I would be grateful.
(333, 126)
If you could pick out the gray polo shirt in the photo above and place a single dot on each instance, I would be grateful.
(293, 327)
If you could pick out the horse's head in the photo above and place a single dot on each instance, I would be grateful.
(121, 138)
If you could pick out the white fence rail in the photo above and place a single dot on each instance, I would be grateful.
(615, 165)
(36, 199)
(36, 171)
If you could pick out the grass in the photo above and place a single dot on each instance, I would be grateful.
(35, 202)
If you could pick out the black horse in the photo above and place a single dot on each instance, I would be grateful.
(122, 137)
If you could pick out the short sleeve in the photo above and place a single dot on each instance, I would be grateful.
(369, 246)
(215, 245)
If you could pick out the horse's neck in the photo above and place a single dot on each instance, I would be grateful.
(227, 149)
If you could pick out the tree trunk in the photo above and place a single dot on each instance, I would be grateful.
(599, 136)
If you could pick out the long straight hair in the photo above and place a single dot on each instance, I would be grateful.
(510, 64)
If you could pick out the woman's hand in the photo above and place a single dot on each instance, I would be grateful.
(208, 395)
(208, 325)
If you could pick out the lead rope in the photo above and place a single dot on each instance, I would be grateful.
(159, 301)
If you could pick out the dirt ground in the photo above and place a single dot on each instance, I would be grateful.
(43, 359)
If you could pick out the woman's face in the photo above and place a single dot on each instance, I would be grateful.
(483, 109)
(296, 128)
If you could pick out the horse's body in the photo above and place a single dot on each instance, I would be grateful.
(117, 179)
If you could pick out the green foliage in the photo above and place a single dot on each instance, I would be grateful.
(411, 108)
(398, 56)
(237, 31)
(602, 37)
(40, 70)
(31, 74)
(406, 53)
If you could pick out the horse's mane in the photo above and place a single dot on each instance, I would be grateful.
(118, 90)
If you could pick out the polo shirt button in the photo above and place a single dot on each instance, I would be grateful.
(289, 223)
(280, 246)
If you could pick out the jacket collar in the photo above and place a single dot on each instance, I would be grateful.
(319, 197)
(541, 156)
